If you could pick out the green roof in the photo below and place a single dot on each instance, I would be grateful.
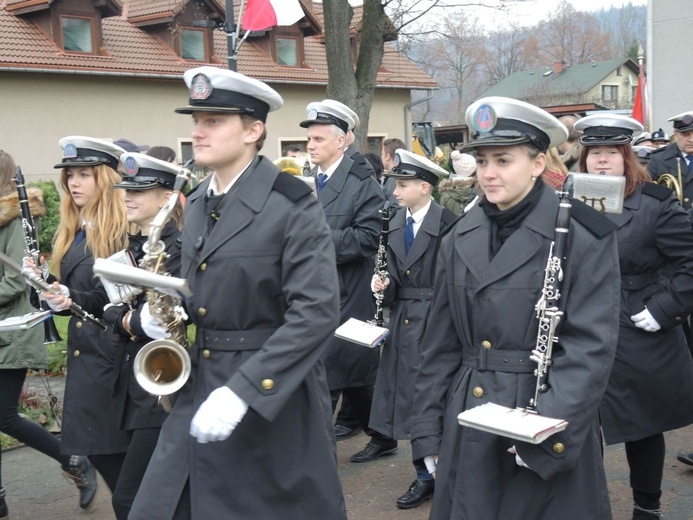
(576, 79)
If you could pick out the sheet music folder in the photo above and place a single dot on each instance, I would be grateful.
(362, 332)
(25, 321)
(514, 423)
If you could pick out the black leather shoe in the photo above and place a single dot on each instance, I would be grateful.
(372, 451)
(342, 432)
(82, 473)
(4, 513)
(417, 494)
(686, 458)
(646, 514)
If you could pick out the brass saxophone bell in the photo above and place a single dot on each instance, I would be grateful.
(162, 367)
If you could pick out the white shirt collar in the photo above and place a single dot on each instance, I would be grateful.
(332, 168)
(213, 189)
(420, 214)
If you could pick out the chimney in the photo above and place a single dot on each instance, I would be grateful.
(559, 67)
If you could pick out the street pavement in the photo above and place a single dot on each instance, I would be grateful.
(36, 489)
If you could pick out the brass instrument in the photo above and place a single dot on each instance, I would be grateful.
(162, 366)
(673, 183)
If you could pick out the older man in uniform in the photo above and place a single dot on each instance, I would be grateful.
(352, 199)
(250, 434)
(677, 158)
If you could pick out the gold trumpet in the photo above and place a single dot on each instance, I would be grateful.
(671, 182)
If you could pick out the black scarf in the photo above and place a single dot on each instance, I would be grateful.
(505, 222)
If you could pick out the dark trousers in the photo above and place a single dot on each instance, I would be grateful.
(360, 398)
(140, 449)
(646, 462)
(108, 467)
(31, 434)
(346, 416)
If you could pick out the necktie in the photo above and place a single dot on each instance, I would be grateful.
(690, 163)
(80, 236)
(409, 234)
(322, 181)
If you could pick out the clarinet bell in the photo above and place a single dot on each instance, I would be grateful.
(50, 332)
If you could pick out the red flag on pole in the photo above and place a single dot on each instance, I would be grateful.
(262, 14)
(641, 110)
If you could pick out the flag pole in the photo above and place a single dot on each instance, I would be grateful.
(231, 52)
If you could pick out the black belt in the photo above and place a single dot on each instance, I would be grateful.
(636, 282)
(232, 340)
(516, 361)
(412, 293)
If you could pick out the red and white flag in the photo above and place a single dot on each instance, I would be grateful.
(641, 104)
(261, 14)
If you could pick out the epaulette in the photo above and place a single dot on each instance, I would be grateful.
(360, 171)
(291, 188)
(658, 150)
(451, 225)
(656, 190)
(448, 217)
(596, 223)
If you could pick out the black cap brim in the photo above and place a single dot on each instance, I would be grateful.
(70, 163)
(491, 140)
(192, 108)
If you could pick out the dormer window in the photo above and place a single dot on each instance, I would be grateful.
(287, 51)
(78, 34)
(193, 44)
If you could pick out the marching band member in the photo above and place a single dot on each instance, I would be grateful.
(24, 349)
(351, 199)
(93, 225)
(411, 255)
(250, 435)
(148, 184)
(651, 385)
(482, 328)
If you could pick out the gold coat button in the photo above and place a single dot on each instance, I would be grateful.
(406, 322)
(76, 354)
(202, 311)
(559, 447)
(78, 324)
(478, 391)
(486, 344)
(203, 266)
(267, 384)
(206, 353)
(686, 199)
(407, 272)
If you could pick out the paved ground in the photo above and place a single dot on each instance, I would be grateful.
(36, 489)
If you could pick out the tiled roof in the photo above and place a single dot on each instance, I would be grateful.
(132, 51)
(139, 8)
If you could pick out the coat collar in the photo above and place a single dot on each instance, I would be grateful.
(473, 233)
(336, 183)
(630, 205)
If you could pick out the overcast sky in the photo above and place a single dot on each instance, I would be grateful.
(531, 11)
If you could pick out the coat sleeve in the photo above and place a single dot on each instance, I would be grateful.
(656, 166)
(360, 240)
(583, 358)
(12, 284)
(92, 301)
(311, 292)
(441, 359)
(674, 240)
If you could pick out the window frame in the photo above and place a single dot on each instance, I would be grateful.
(614, 90)
(92, 33)
(299, 49)
(205, 39)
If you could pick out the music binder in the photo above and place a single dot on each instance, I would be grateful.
(25, 321)
(515, 423)
(362, 332)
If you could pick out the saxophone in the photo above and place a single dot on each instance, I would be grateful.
(162, 366)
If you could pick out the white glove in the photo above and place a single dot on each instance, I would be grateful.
(151, 326)
(518, 459)
(431, 462)
(180, 310)
(58, 301)
(645, 321)
(218, 416)
(376, 278)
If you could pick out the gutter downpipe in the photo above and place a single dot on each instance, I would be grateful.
(407, 117)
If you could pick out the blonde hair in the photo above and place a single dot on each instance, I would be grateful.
(554, 163)
(107, 224)
(7, 168)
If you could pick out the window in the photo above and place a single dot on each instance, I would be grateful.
(77, 34)
(287, 52)
(618, 71)
(609, 93)
(193, 45)
(375, 144)
(633, 91)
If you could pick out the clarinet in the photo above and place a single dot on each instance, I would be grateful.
(381, 263)
(547, 308)
(32, 250)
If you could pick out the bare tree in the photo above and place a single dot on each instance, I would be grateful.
(507, 52)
